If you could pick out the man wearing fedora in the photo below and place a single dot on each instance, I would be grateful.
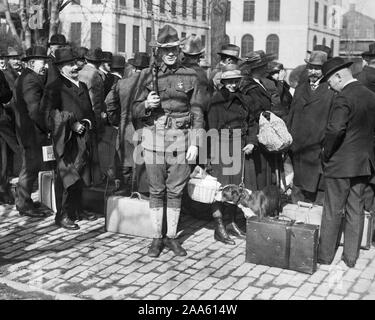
(31, 129)
(348, 162)
(72, 123)
(57, 41)
(307, 121)
(105, 72)
(229, 54)
(91, 77)
(169, 116)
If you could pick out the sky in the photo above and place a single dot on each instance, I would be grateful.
(367, 7)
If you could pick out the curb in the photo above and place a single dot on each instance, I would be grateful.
(27, 288)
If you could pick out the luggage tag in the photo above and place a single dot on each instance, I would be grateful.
(47, 152)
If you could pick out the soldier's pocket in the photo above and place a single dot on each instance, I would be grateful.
(184, 91)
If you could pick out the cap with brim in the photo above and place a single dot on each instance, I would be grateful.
(228, 75)
(333, 65)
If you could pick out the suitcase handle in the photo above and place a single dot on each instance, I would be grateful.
(302, 204)
(285, 218)
(136, 195)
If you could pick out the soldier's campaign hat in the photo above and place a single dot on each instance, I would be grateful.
(107, 56)
(333, 65)
(118, 62)
(57, 39)
(370, 53)
(230, 50)
(35, 52)
(322, 47)
(95, 55)
(193, 46)
(64, 55)
(257, 59)
(80, 52)
(275, 67)
(167, 37)
(141, 60)
(231, 71)
(317, 58)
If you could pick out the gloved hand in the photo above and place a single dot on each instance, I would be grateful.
(192, 153)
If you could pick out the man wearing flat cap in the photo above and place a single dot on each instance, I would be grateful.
(71, 121)
(169, 112)
(307, 121)
(348, 162)
(31, 129)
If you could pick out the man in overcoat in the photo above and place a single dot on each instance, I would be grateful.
(169, 116)
(105, 72)
(31, 129)
(348, 162)
(307, 121)
(57, 41)
(71, 120)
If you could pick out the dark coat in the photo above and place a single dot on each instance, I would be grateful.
(284, 93)
(31, 127)
(307, 122)
(65, 104)
(53, 72)
(348, 144)
(231, 111)
(108, 79)
(367, 77)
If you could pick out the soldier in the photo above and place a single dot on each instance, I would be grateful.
(72, 123)
(30, 126)
(168, 114)
(105, 72)
(57, 41)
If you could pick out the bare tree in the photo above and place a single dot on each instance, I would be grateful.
(10, 23)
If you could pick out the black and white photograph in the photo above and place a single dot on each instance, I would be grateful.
(187, 154)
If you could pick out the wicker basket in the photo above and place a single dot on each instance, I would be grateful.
(203, 190)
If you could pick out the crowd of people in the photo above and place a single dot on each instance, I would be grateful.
(70, 97)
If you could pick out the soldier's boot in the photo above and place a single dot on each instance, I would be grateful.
(173, 216)
(157, 244)
(220, 233)
(233, 228)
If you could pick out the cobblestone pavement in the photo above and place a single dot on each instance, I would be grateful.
(92, 264)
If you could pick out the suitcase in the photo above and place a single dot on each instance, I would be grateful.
(368, 231)
(304, 212)
(303, 256)
(129, 216)
(268, 242)
(46, 193)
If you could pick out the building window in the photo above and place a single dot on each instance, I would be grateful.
(96, 1)
(247, 44)
(204, 10)
(194, 9)
(96, 35)
(248, 10)
(122, 3)
(274, 10)
(226, 39)
(203, 37)
(325, 22)
(173, 7)
(136, 4)
(227, 16)
(184, 6)
(183, 35)
(162, 6)
(272, 45)
(149, 6)
(148, 40)
(135, 39)
(75, 33)
(121, 40)
(333, 47)
(316, 13)
(324, 42)
(315, 41)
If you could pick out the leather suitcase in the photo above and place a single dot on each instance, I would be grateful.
(129, 216)
(46, 194)
(368, 231)
(304, 212)
(267, 242)
(303, 256)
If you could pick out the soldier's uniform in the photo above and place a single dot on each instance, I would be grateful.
(166, 135)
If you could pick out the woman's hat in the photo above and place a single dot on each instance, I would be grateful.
(257, 59)
(35, 52)
(167, 37)
(333, 65)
